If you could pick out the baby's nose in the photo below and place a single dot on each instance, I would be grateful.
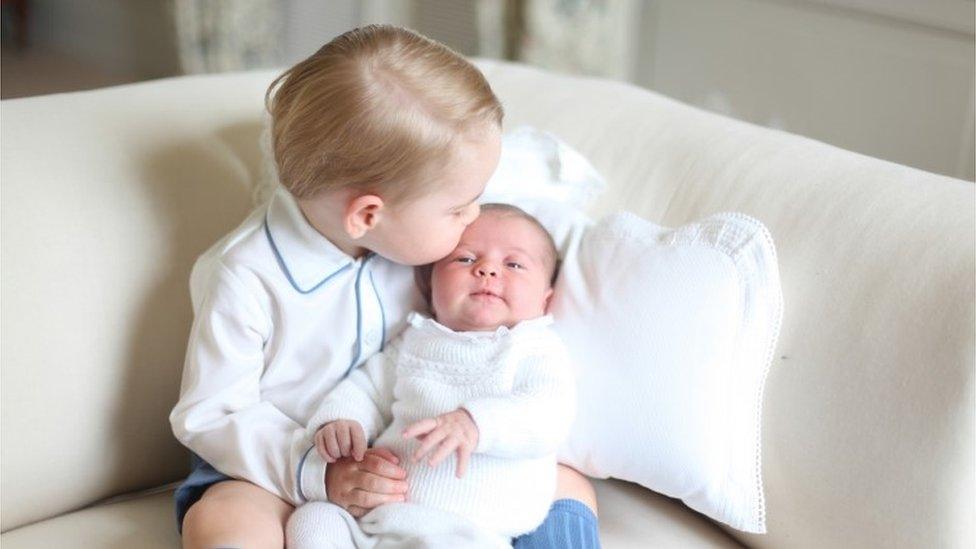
(486, 271)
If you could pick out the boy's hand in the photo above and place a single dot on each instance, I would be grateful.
(359, 486)
(453, 431)
(339, 439)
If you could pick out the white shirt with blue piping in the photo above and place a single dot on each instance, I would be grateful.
(280, 317)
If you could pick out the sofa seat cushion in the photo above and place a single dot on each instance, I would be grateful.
(145, 521)
(633, 517)
(630, 517)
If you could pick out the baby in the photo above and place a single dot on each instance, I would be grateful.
(474, 401)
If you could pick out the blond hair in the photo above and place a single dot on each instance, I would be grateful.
(379, 108)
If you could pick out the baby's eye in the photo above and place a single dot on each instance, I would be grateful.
(467, 260)
(515, 265)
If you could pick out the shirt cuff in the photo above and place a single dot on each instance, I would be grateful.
(311, 477)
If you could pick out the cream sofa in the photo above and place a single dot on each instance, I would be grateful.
(109, 195)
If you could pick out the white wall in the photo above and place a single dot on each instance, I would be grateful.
(888, 78)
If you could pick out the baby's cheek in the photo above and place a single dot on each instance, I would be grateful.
(530, 304)
(440, 300)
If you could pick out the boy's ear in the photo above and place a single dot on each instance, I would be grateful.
(362, 214)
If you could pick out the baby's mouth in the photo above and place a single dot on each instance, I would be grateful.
(486, 294)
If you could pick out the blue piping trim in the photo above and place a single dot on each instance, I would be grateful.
(359, 315)
(284, 268)
(382, 312)
(298, 477)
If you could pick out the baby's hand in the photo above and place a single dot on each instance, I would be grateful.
(448, 432)
(360, 486)
(341, 438)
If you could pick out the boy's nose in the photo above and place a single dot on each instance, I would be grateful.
(483, 271)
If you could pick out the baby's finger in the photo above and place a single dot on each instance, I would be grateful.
(380, 485)
(384, 453)
(428, 443)
(420, 427)
(380, 466)
(331, 444)
(445, 449)
(463, 456)
(321, 449)
(368, 500)
(358, 443)
(345, 445)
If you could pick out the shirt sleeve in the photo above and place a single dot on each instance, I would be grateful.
(365, 396)
(220, 414)
(535, 419)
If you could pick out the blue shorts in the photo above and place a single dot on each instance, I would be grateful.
(569, 524)
(202, 476)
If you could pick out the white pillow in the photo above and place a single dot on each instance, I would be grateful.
(672, 332)
(547, 178)
(537, 167)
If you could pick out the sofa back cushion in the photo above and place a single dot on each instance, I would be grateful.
(108, 197)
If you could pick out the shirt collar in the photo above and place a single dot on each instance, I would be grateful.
(307, 258)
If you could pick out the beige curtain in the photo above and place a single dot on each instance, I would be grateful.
(228, 35)
(595, 37)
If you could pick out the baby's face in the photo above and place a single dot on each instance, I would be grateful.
(498, 275)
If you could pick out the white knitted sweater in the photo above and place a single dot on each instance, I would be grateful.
(516, 383)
